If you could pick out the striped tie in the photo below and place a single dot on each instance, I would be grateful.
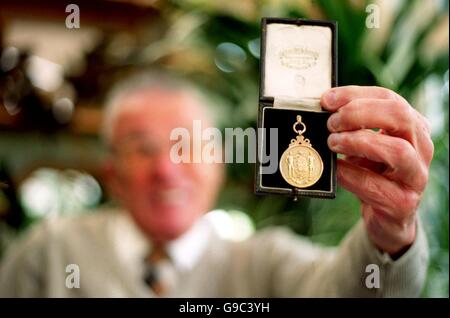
(152, 275)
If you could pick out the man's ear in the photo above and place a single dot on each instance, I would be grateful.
(111, 178)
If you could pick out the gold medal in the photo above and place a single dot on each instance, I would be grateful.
(301, 165)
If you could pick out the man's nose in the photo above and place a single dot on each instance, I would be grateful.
(164, 170)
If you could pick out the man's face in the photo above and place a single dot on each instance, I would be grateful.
(164, 198)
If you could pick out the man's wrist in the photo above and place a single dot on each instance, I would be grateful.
(395, 251)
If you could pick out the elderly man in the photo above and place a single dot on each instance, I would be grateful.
(163, 246)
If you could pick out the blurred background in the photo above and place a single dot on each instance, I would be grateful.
(53, 80)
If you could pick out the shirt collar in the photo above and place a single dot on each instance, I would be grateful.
(184, 252)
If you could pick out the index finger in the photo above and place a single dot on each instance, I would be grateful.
(337, 97)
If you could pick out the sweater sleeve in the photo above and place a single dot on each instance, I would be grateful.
(295, 267)
(21, 269)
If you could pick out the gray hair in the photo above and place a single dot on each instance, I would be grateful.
(138, 82)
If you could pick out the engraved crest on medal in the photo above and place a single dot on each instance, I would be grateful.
(301, 165)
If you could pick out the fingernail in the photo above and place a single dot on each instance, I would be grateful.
(330, 98)
(334, 122)
(333, 141)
